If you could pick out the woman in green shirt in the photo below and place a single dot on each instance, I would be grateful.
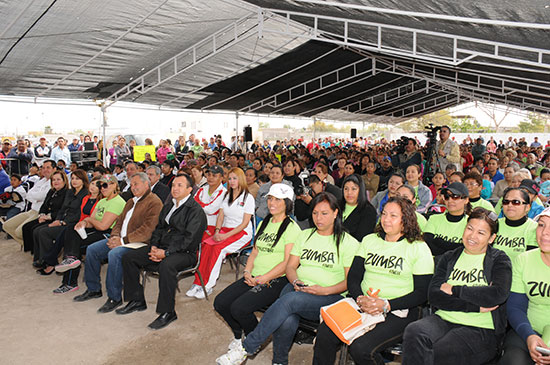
(469, 289)
(397, 266)
(264, 274)
(529, 304)
(317, 268)
(516, 232)
(443, 232)
(359, 215)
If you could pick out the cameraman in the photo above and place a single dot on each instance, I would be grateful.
(408, 157)
(447, 151)
(302, 208)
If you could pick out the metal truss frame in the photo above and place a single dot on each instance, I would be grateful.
(501, 94)
(103, 50)
(190, 57)
(463, 48)
(242, 69)
(307, 88)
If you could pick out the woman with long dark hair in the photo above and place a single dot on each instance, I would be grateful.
(48, 211)
(317, 268)
(358, 214)
(264, 274)
(45, 235)
(395, 263)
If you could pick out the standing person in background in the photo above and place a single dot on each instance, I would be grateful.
(122, 151)
(42, 151)
(22, 157)
(162, 151)
(448, 151)
(112, 154)
(371, 180)
(61, 152)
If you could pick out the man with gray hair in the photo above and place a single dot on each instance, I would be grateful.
(157, 187)
(132, 230)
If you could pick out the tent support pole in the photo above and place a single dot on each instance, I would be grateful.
(103, 127)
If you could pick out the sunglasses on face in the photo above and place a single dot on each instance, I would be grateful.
(515, 202)
(102, 185)
(452, 196)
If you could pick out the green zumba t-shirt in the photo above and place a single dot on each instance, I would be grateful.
(347, 211)
(531, 276)
(516, 240)
(440, 227)
(390, 266)
(468, 271)
(114, 205)
(320, 264)
(422, 221)
(269, 256)
(484, 204)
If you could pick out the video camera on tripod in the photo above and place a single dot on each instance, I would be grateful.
(431, 133)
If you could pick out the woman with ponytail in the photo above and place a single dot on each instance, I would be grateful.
(264, 274)
(317, 270)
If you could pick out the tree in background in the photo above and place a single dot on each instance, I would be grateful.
(491, 110)
(535, 123)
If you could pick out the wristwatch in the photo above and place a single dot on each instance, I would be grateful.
(166, 253)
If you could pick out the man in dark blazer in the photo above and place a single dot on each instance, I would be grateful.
(162, 191)
(173, 248)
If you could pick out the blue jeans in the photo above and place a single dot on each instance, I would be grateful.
(282, 318)
(95, 254)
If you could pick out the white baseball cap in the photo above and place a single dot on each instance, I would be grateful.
(544, 213)
(281, 191)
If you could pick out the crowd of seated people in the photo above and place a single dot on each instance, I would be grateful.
(321, 220)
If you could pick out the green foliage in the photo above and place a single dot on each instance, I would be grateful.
(535, 123)
(263, 125)
(325, 127)
(467, 125)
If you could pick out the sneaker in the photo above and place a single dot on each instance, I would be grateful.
(235, 344)
(193, 290)
(233, 357)
(200, 293)
(67, 264)
(65, 289)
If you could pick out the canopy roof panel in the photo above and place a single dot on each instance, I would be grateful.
(369, 60)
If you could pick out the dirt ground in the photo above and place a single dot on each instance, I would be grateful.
(38, 327)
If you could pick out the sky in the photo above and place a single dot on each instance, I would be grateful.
(19, 116)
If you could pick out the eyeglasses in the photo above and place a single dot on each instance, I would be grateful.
(452, 196)
(513, 202)
(473, 185)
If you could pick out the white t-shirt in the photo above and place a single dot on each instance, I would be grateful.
(211, 204)
(233, 214)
